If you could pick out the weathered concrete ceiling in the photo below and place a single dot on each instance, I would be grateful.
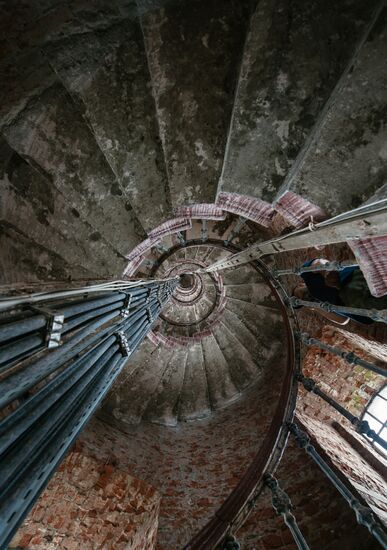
(294, 54)
(194, 51)
(115, 113)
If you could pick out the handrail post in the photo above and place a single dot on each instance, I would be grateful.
(283, 507)
(364, 515)
(379, 315)
(361, 426)
(349, 356)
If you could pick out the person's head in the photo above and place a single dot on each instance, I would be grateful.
(331, 278)
(301, 291)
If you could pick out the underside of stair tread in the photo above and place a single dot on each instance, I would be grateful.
(294, 55)
(194, 399)
(194, 50)
(240, 276)
(181, 314)
(44, 134)
(28, 195)
(41, 22)
(242, 368)
(238, 327)
(255, 293)
(263, 335)
(135, 386)
(24, 260)
(162, 408)
(221, 388)
(347, 161)
(93, 65)
(260, 320)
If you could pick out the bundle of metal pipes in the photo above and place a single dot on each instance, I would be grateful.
(47, 395)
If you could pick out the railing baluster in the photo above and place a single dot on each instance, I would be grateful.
(361, 426)
(348, 356)
(182, 237)
(235, 232)
(204, 231)
(329, 266)
(364, 515)
(283, 507)
(379, 315)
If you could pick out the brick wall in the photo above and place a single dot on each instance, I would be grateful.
(362, 476)
(352, 387)
(88, 505)
(193, 465)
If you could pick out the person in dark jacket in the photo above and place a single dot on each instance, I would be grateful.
(346, 287)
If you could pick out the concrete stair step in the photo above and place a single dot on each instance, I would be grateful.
(345, 163)
(137, 382)
(255, 293)
(264, 323)
(180, 314)
(24, 261)
(194, 399)
(241, 330)
(242, 368)
(193, 89)
(240, 276)
(191, 252)
(163, 405)
(52, 223)
(221, 389)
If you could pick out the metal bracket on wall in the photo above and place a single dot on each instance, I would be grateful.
(149, 315)
(126, 307)
(54, 326)
(123, 343)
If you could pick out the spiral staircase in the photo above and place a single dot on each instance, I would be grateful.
(150, 140)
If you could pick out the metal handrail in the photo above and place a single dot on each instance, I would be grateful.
(363, 222)
(237, 506)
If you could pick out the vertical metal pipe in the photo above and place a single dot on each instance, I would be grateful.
(35, 436)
